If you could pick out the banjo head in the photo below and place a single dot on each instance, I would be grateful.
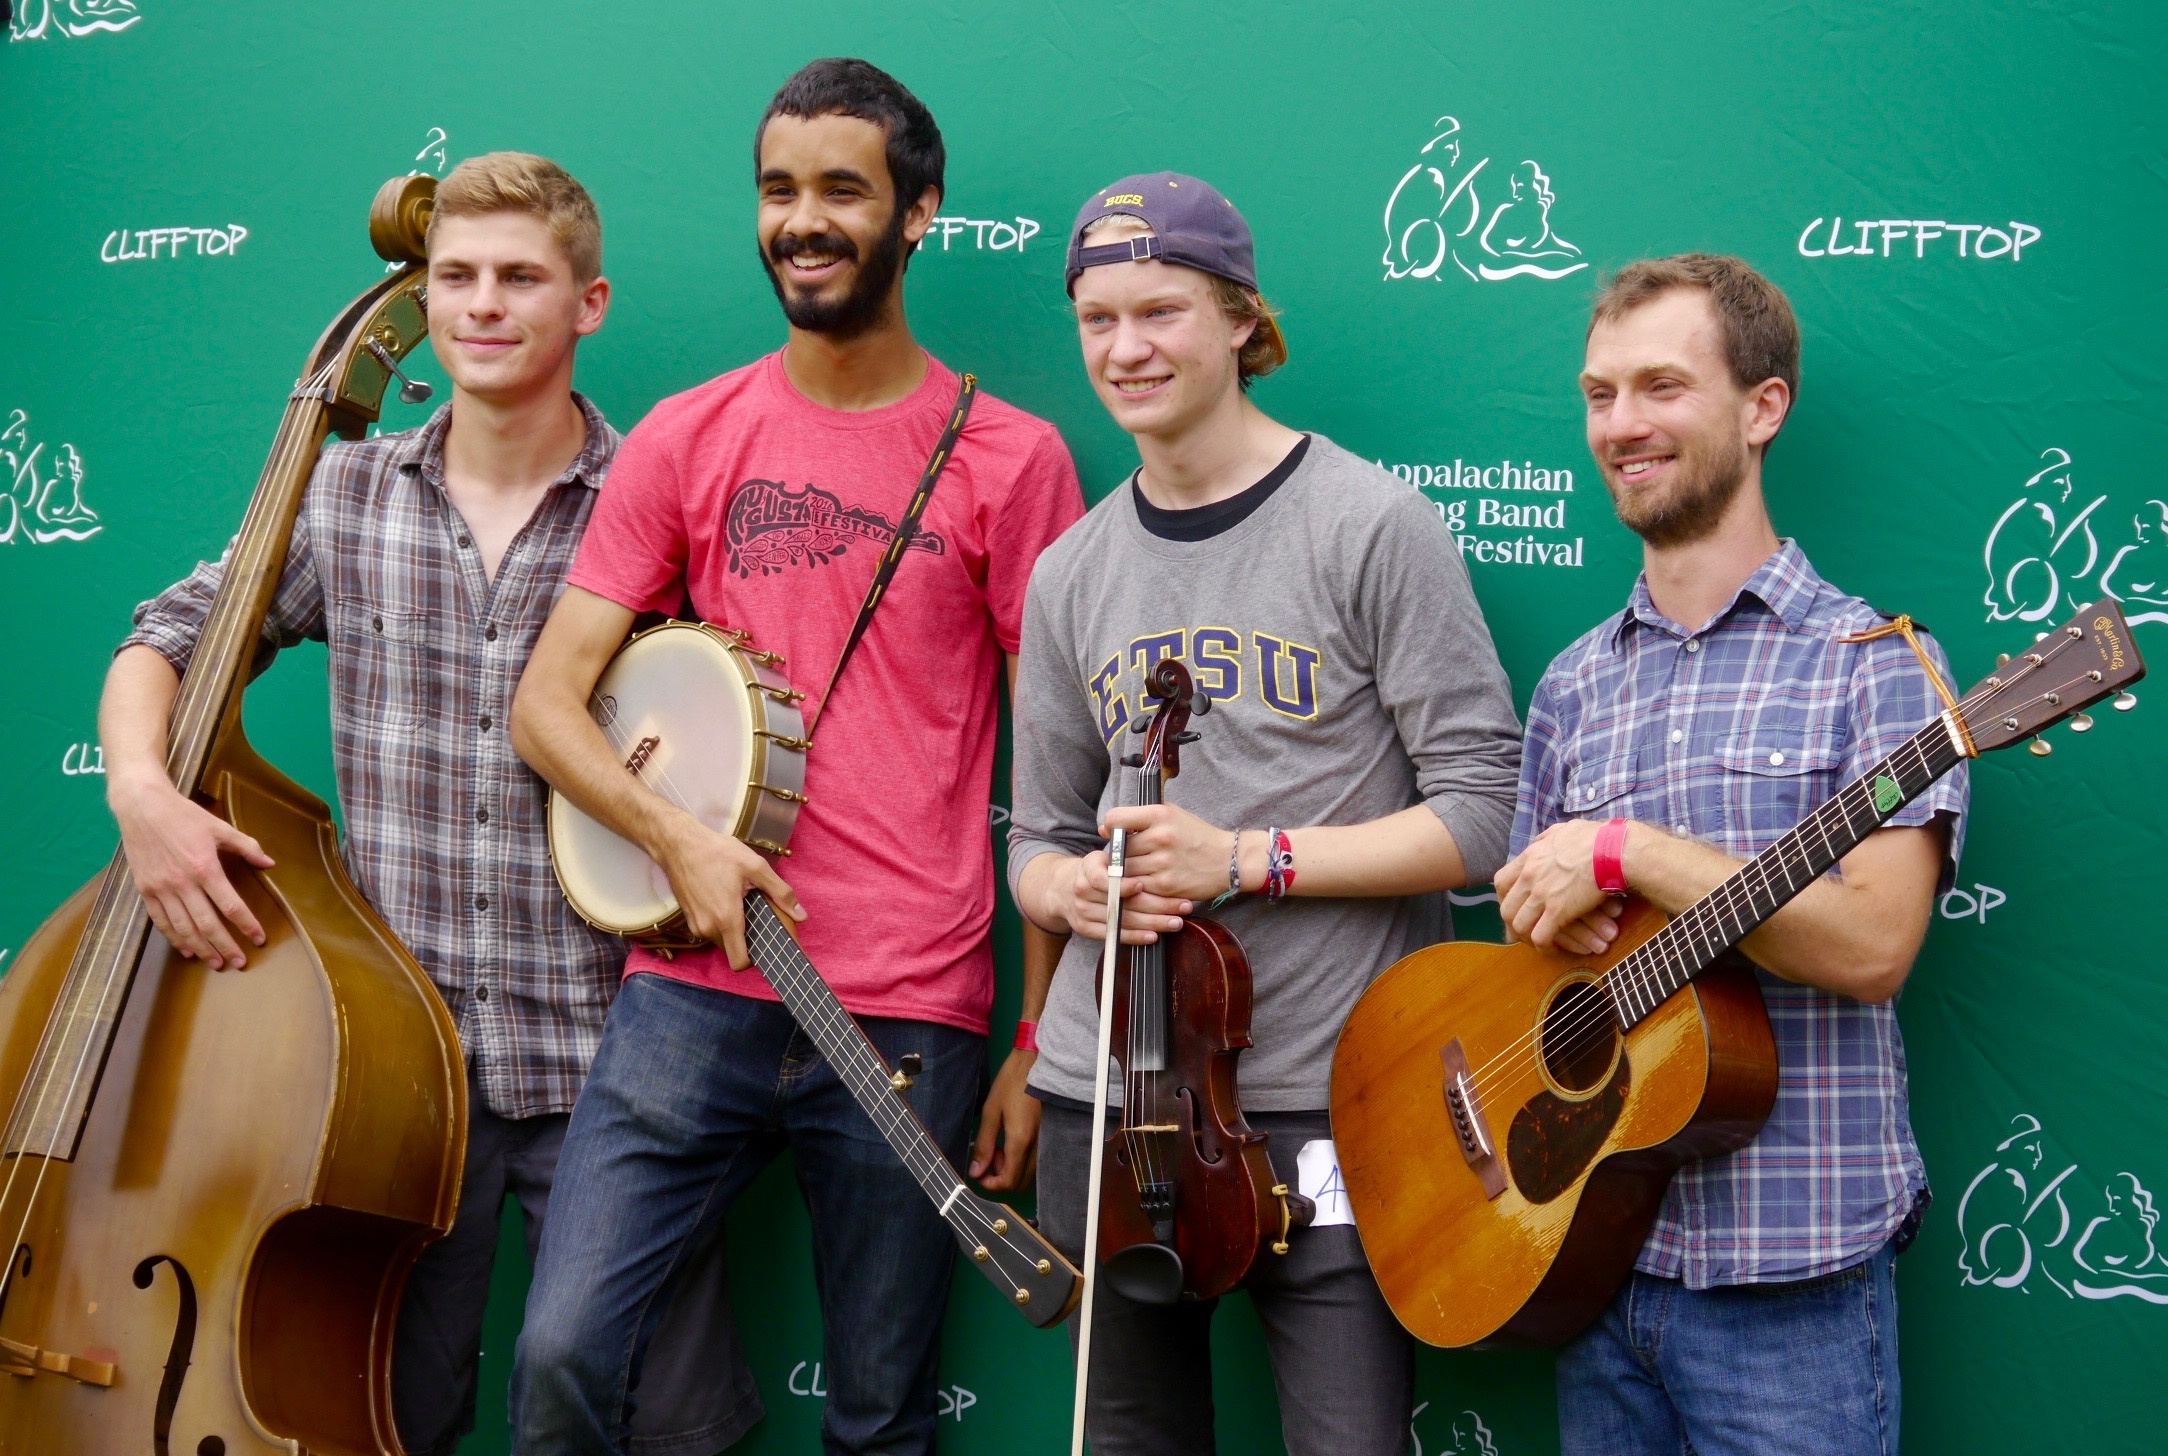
(697, 718)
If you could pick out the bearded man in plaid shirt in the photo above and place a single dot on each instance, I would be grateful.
(1727, 701)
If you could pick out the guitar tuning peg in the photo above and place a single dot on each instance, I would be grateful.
(2125, 701)
(2002, 660)
(2041, 748)
(2040, 636)
(2083, 723)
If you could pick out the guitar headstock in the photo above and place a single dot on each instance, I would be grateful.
(1016, 1258)
(2088, 658)
(1171, 687)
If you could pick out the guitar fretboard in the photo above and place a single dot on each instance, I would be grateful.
(1768, 882)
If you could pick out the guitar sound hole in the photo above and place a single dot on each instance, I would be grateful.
(1580, 1039)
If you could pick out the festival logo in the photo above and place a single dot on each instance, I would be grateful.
(45, 19)
(431, 159)
(2058, 546)
(1438, 211)
(1517, 516)
(124, 246)
(2026, 1227)
(1860, 238)
(773, 526)
(988, 234)
(1469, 1436)
(44, 489)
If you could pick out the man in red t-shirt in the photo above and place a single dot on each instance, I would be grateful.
(730, 494)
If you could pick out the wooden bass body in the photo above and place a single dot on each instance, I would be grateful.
(1585, 1126)
(226, 1239)
(213, 1184)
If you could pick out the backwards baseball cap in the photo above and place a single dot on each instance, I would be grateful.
(1191, 223)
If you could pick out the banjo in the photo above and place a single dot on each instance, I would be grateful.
(700, 716)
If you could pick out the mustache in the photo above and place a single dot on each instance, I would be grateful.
(789, 245)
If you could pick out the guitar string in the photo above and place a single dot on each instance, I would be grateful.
(72, 986)
(663, 784)
(1639, 982)
(1662, 956)
(1641, 972)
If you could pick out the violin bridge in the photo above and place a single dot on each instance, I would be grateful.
(19, 1359)
(1469, 1128)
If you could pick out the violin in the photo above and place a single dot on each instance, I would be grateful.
(1189, 1201)
(213, 1183)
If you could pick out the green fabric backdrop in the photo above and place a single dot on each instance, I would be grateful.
(1959, 198)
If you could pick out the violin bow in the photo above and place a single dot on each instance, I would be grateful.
(1116, 849)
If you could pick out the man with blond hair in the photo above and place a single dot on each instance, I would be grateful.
(1681, 736)
(1355, 698)
(427, 561)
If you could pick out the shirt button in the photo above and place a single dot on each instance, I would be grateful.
(1680, 830)
(481, 993)
(481, 816)
(1776, 759)
(465, 542)
(481, 902)
(489, 633)
(1678, 735)
(485, 722)
(377, 622)
(1693, 647)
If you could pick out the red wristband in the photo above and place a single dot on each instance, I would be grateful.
(1609, 866)
(1027, 1036)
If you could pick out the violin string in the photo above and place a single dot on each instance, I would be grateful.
(1581, 1029)
(68, 1007)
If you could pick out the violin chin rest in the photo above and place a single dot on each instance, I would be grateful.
(1145, 1274)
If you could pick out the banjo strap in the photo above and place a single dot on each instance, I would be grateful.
(908, 528)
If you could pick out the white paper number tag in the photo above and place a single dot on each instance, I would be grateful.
(1317, 1178)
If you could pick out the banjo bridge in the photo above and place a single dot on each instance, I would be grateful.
(641, 753)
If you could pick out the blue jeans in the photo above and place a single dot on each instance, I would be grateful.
(1753, 1369)
(693, 1092)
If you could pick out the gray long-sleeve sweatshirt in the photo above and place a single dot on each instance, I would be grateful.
(1352, 676)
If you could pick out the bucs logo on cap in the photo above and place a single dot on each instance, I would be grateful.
(1131, 199)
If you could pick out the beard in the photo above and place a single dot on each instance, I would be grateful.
(1708, 478)
(859, 309)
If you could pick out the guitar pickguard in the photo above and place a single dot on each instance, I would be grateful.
(1552, 1141)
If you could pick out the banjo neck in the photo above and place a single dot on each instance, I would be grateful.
(1009, 1252)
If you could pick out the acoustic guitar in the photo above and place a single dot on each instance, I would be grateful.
(1509, 1118)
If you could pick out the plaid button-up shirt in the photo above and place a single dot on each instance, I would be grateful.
(445, 826)
(1733, 733)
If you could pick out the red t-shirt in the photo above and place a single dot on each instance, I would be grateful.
(892, 855)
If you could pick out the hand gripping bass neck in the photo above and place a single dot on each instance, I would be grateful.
(703, 718)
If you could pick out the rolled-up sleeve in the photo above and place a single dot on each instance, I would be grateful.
(171, 623)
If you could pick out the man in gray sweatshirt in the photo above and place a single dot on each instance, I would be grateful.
(1359, 759)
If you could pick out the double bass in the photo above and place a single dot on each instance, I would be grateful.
(213, 1184)
(1189, 1200)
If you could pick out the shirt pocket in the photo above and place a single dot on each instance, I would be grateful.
(1602, 788)
(380, 666)
(1781, 769)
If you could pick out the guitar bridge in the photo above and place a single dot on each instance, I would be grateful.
(1465, 1105)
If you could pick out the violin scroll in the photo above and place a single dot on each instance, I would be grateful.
(1171, 686)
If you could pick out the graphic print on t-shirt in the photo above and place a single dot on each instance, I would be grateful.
(1283, 673)
(774, 525)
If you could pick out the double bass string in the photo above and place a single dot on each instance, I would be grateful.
(102, 929)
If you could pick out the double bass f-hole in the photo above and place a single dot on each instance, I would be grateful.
(178, 1355)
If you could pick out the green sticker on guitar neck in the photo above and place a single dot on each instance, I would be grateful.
(1887, 795)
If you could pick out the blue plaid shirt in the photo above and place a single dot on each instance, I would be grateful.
(1732, 733)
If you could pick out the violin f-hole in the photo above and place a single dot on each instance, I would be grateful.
(181, 1352)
